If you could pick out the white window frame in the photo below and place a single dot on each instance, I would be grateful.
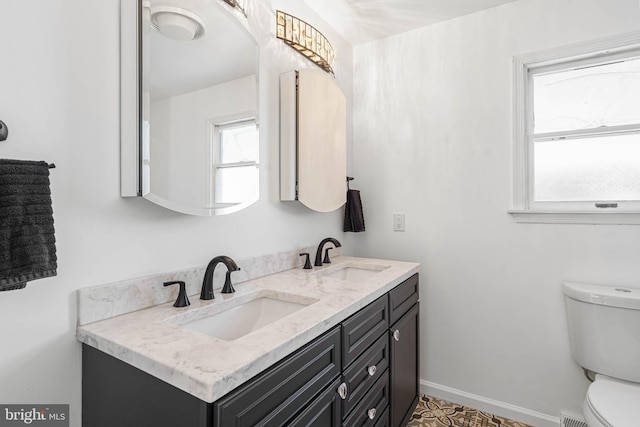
(523, 209)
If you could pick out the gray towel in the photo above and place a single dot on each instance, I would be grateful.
(27, 241)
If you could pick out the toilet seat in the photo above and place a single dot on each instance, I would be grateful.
(612, 403)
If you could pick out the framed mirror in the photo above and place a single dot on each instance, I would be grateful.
(189, 106)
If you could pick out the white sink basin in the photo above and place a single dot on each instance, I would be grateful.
(354, 274)
(242, 319)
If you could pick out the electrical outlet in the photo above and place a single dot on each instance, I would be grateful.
(398, 221)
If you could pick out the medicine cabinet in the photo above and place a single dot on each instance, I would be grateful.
(313, 144)
(189, 106)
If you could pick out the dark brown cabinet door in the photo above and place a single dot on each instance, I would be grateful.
(404, 370)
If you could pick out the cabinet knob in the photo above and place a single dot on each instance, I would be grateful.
(371, 413)
(4, 131)
(342, 391)
(372, 370)
(396, 335)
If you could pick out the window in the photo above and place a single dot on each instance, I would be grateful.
(577, 139)
(235, 178)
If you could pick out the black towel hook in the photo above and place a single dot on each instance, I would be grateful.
(4, 131)
(349, 178)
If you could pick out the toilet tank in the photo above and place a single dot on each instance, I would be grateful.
(604, 328)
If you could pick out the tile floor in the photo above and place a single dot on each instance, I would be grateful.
(432, 412)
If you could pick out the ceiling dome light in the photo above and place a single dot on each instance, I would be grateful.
(176, 23)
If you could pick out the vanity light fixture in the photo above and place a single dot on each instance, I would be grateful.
(238, 4)
(305, 39)
(177, 23)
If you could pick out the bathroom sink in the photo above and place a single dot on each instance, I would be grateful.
(354, 274)
(241, 319)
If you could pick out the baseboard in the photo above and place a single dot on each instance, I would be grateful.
(491, 406)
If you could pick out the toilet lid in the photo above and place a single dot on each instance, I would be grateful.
(615, 402)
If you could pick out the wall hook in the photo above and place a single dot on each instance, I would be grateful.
(349, 178)
(4, 131)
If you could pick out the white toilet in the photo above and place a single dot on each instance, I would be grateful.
(604, 331)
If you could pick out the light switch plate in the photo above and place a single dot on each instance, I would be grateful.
(398, 221)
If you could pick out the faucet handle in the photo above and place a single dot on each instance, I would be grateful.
(228, 286)
(182, 300)
(307, 262)
(326, 256)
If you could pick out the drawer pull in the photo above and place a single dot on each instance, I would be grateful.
(371, 413)
(396, 335)
(372, 370)
(342, 391)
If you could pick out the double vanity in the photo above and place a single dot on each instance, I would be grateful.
(336, 345)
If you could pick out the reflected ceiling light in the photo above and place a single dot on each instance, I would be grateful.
(176, 23)
(305, 39)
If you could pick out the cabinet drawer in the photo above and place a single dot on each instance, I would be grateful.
(372, 406)
(325, 411)
(402, 298)
(383, 421)
(363, 328)
(365, 371)
(277, 395)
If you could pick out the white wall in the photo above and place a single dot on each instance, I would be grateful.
(59, 85)
(432, 138)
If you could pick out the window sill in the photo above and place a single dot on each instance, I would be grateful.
(576, 217)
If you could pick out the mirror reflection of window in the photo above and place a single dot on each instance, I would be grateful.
(235, 163)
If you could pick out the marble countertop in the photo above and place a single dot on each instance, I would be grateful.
(207, 367)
